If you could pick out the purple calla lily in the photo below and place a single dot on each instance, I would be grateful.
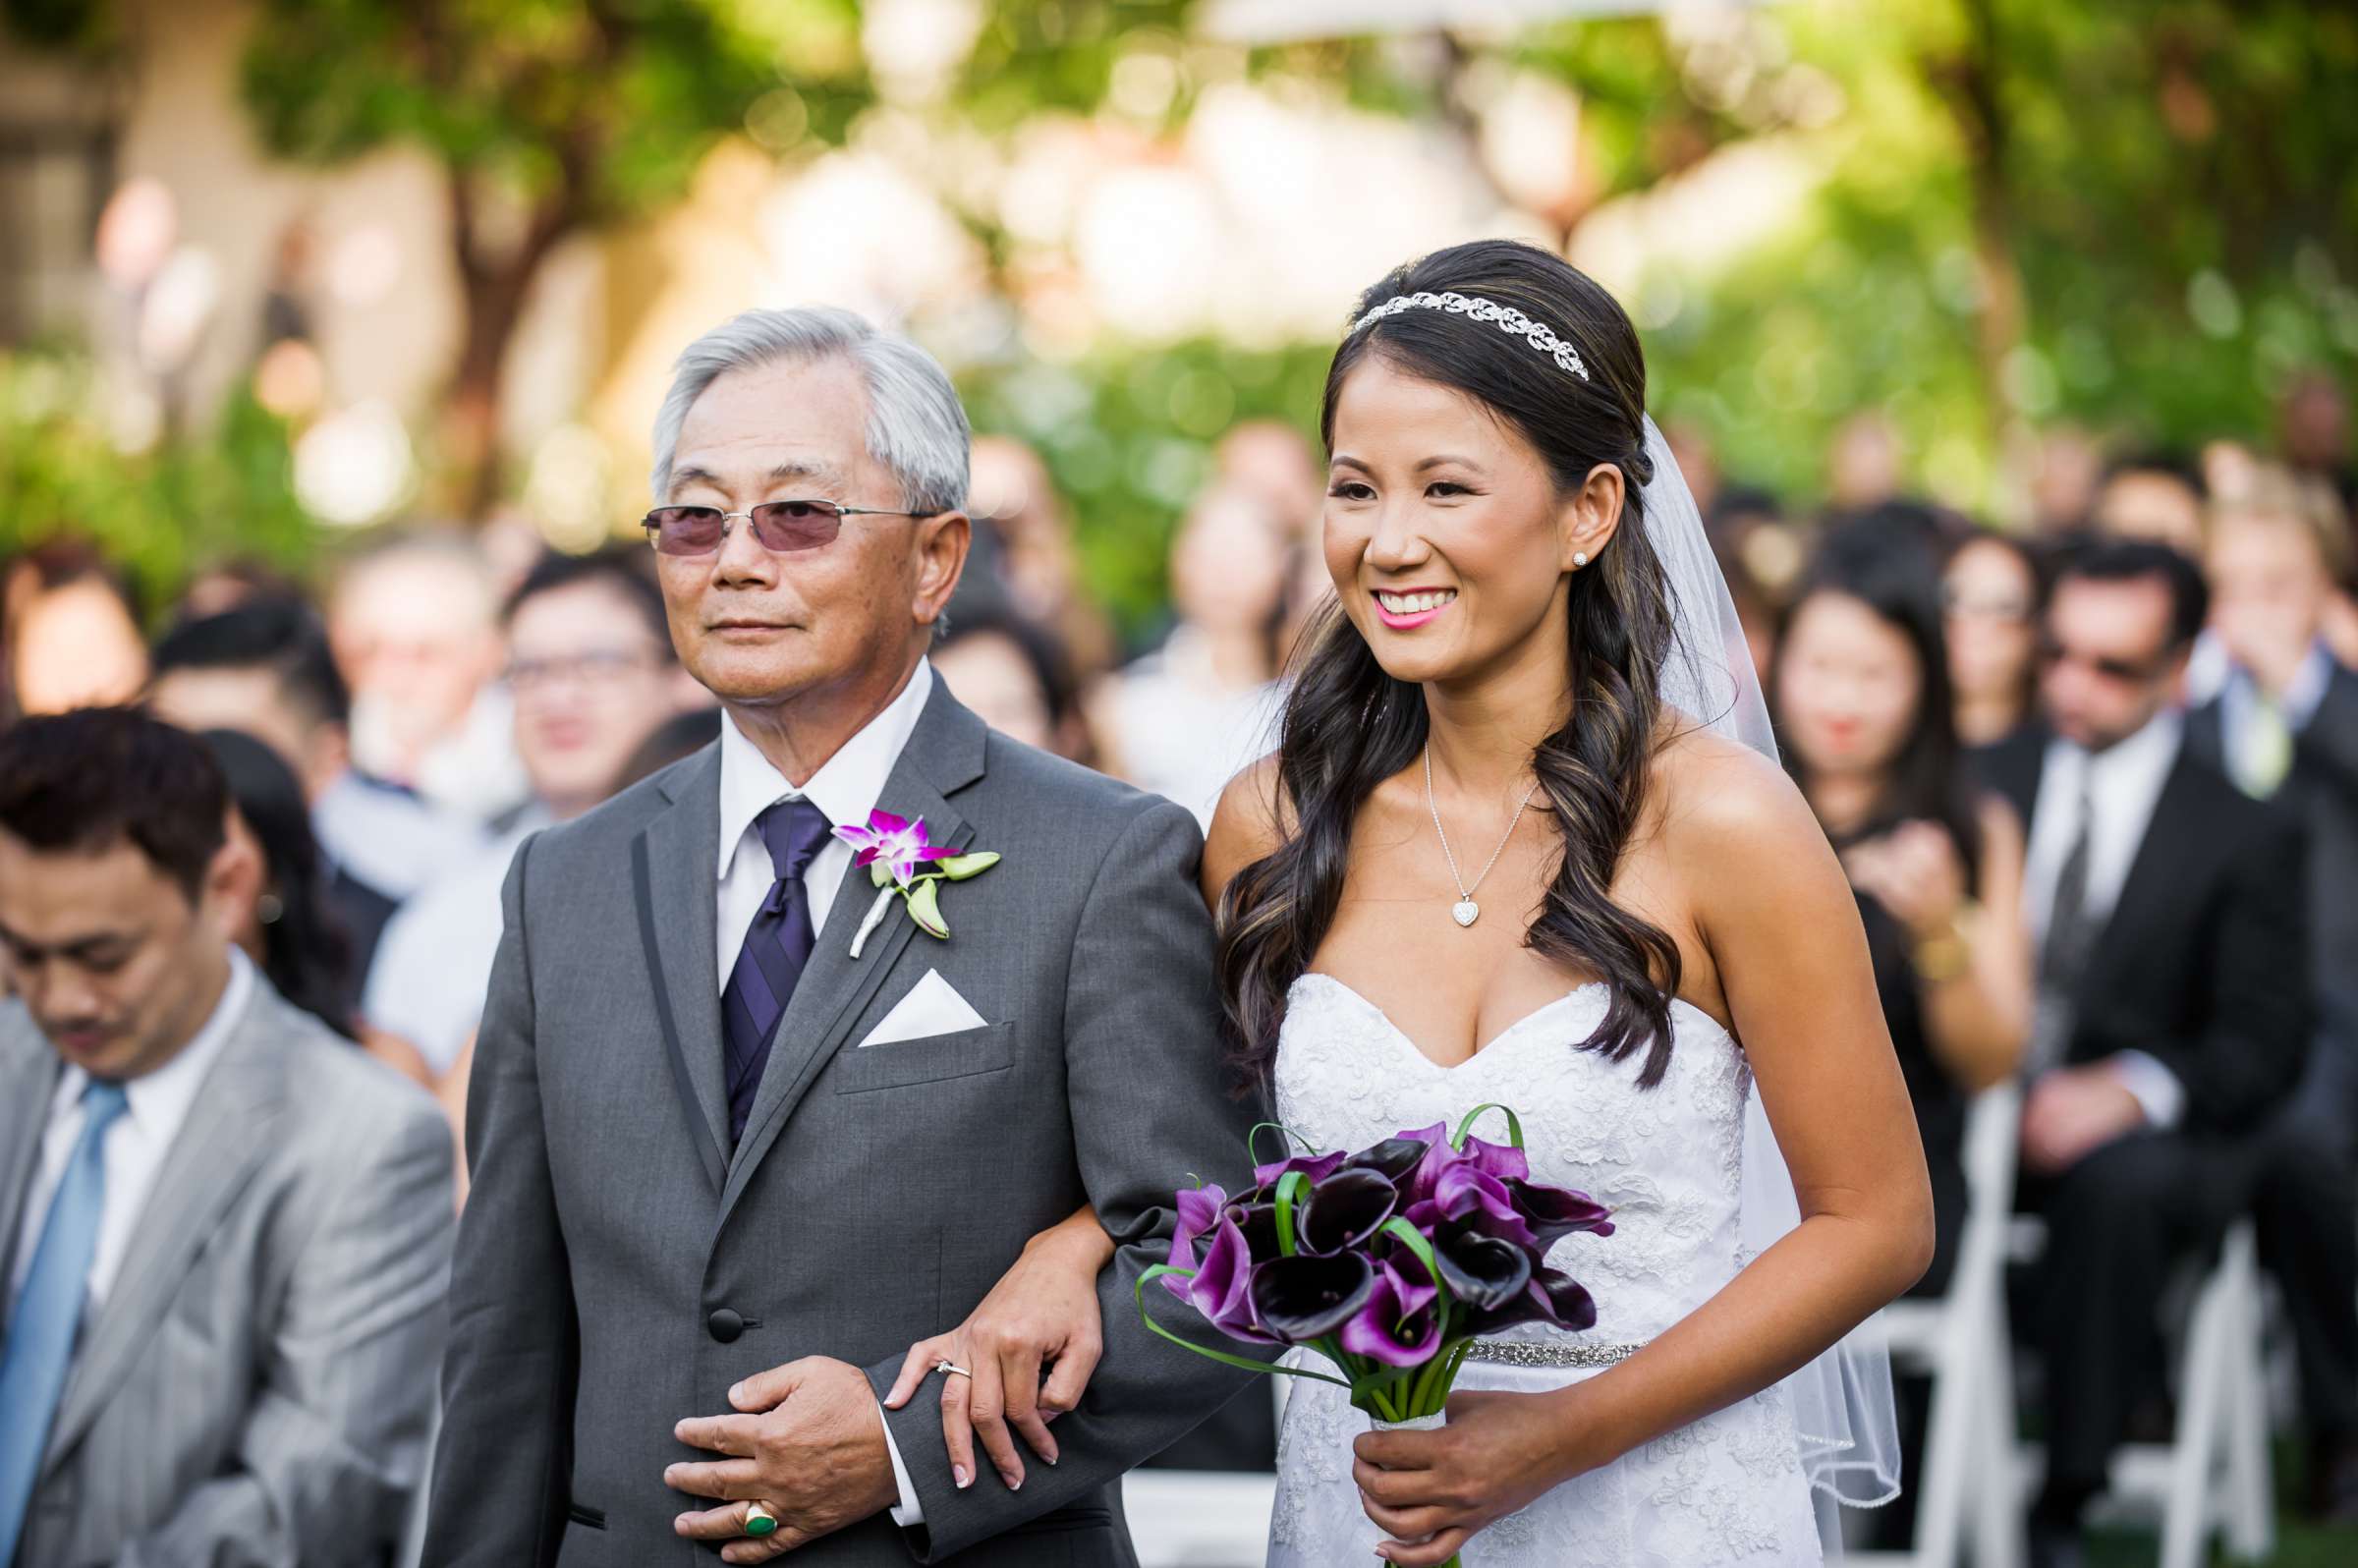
(1503, 1162)
(1345, 1209)
(1482, 1271)
(1394, 1157)
(896, 841)
(1308, 1297)
(1318, 1167)
(1199, 1209)
(1555, 1213)
(1221, 1289)
(1553, 1297)
(1397, 1324)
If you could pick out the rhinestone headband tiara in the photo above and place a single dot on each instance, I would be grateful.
(1504, 317)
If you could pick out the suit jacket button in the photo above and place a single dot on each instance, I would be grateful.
(725, 1326)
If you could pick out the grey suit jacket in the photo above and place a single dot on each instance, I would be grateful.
(255, 1389)
(620, 1267)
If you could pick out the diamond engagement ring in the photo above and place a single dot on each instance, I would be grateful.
(954, 1370)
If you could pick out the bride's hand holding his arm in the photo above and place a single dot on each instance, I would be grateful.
(1771, 908)
(1041, 1318)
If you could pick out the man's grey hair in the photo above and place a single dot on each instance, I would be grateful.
(916, 425)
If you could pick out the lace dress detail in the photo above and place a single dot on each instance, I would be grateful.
(1669, 1161)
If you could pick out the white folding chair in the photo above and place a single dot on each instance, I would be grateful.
(2214, 1474)
(1966, 1486)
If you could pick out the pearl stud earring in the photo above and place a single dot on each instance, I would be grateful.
(1580, 557)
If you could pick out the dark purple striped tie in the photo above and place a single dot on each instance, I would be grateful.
(777, 944)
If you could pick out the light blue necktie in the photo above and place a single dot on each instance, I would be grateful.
(41, 1336)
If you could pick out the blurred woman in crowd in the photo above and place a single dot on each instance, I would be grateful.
(1012, 672)
(1024, 546)
(1187, 718)
(1990, 598)
(281, 917)
(1863, 714)
(69, 633)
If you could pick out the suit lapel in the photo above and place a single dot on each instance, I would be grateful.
(677, 891)
(2160, 864)
(230, 1127)
(944, 754)
(29, 1071)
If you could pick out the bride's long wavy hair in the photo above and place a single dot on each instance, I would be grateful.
(1348, 726)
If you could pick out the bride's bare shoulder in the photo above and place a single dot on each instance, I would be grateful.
(1722, 804)
(1252, 818)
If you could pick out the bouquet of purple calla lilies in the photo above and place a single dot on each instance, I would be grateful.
(1389, 1261)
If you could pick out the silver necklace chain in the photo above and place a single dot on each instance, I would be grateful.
(1466, 911)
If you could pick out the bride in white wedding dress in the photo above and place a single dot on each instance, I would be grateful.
(1525, 841)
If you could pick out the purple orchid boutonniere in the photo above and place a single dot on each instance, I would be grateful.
(893, 848)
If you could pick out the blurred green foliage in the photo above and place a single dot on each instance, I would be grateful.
(2008, 214)
(161, 513)
(1129, 436)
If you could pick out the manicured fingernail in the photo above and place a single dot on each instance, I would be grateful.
(962, 1476)
(1014, 1482)
(1049, 1456)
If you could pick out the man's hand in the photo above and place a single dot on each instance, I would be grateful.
(2071, 1113)
(810, 1443)
(2269, 639)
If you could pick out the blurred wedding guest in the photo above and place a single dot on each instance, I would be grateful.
(2173, 1009)
(2153, 495)
(1698, 462)
(1863, 705)
(2315, 424)
(675, 740)
(2284, 727)
(415, 623)
(1185, 720)
(1011, 673)
(264, 669)
(71, 631)
(2066, 467)
(1277, 463)
(1863, 465)
(225, 1232)
(590, 664)
(226, 584)
(1760, 556)
(278, 909)
(1023, 542)
(1990, 601)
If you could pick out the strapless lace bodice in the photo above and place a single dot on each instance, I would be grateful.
(1668, 1162)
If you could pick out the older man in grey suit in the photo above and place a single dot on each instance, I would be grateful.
(226, 1232)
(734, 1143)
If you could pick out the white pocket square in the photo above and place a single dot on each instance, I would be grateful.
(931, 1007)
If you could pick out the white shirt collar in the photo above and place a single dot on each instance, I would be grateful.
(159, 1102)
(847, 787)
(2145, 756)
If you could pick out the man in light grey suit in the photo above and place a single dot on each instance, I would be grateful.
(225, 1232)
(722, 1159)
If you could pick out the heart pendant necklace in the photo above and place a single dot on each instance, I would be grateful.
(1465, 911)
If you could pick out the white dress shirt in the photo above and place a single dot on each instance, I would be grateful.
(432, 967)
(849, 786)
(136, 1145)
(2123, 783)
(389, 839)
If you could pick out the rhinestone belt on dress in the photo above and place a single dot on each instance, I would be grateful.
(1549, 1353)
